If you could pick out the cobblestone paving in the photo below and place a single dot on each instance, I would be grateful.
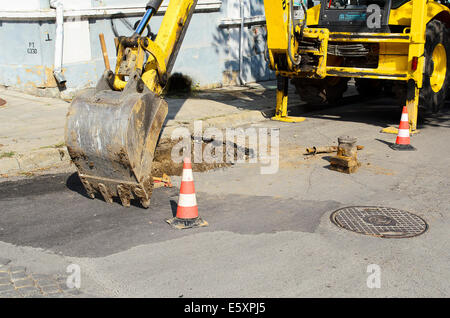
(17, 282)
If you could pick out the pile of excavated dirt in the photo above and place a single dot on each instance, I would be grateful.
(162, 162)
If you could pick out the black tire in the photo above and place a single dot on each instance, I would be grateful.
(436, 33)
(321, 91)
(429, 100)
(369, 87)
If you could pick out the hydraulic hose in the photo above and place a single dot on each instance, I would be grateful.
(305, 19)
(294, 61)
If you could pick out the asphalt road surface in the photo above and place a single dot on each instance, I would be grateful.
(269, 235)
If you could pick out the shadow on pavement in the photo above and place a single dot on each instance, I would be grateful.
(381, 112)
(63, 221)
(174, 207)
(384, 142)
(73, 183)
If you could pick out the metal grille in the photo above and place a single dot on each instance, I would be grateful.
(379, 221)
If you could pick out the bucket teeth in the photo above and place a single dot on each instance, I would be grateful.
(144, 198)
(145, 203)
(105, 193)
(144, 192)
(125, 194)
(90, 191)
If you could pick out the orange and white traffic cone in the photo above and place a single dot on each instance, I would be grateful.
(187, 210)
(403, 141)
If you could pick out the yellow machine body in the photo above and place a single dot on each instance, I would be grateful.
(397, 51)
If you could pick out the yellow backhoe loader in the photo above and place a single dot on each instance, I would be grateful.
(400, 43)
(112, 130)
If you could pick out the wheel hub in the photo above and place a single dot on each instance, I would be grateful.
(439, 58)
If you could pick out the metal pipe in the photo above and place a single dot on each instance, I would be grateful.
(99, 12)
(241, 43)
(144, 21)
(152, 7)
(104, 51)
(59, 40)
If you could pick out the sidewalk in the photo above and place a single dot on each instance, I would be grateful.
(32, 128)
(31, 133)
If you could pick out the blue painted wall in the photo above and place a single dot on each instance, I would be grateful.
(207, 53)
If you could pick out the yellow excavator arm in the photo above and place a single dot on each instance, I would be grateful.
(112, 129)
(163, 50)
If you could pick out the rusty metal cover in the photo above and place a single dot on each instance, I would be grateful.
(2, 102)
(379, 221)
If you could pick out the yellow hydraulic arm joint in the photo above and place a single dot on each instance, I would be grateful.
(163, 50)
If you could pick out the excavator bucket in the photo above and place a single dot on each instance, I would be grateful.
(111, 137)
(112, 130)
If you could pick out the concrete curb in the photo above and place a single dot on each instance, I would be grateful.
(34, 160)
(50, 157)
(221, 122)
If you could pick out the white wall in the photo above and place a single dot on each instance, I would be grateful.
(76, 4)
(30, 5)
(36, 5)
(20, 5)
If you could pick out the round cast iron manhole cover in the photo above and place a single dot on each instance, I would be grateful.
(379, 221)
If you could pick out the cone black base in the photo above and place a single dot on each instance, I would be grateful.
(186, 223)
(402, 147)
